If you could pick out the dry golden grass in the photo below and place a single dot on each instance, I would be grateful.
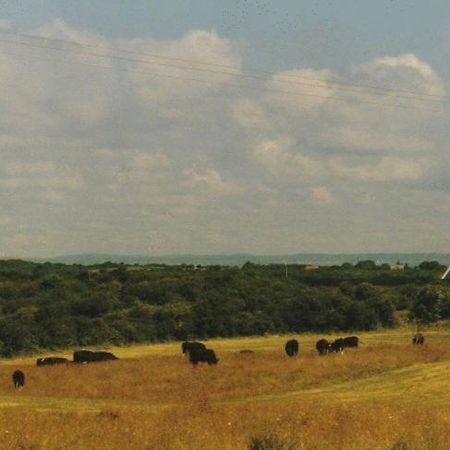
(388, 394)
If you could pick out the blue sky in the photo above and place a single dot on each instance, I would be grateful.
(322, 33)
(221, 127)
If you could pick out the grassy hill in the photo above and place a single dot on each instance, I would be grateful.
(388, 394)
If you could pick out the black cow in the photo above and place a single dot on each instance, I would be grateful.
(291, 347)
(198, 355)
(51, 361)
(87, 356)
(351, 341)
(322, 346)
(337, 346)
(418, 339)
(105, 356)
(186, 347)
(83, 356)
(18, 379)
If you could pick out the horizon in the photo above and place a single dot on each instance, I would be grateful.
(320, 259)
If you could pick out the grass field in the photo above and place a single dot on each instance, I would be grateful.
(388, 394)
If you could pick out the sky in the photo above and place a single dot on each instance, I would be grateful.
(241, 126)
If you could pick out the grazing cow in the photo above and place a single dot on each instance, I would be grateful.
(18, 379)
(291, 347)
(418, 339)
(337, 346)
(197, 355)
(105, 356)
(51, 361)
(83, 356)
(322, 346)
(351, 341)
(87, 356)
(186, 347)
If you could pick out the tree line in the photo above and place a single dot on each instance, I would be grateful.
(50, 306)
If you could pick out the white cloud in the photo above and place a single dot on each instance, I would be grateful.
(300, 90)
(118, 147)
(148, 162)
(279, 157)
(58, 29)
(204, 58)
(386, 169)
(408, 70)
(210, 181)
(250, 115)
(40, 175)
(143, 169)
(362, 137)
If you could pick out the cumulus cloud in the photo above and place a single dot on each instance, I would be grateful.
(211, 182)
(363, 138)
(147, 143)
(386, 169)
(143, 168)
(40, 175)
(206, 59)
(250, 115)
(405, 72)
(280, 158)
(143, 162)
(300, 90)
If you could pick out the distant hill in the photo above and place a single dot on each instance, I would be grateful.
(412, 259)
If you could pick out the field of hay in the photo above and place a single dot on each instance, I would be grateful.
(387, 394)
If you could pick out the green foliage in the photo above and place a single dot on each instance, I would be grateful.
(55, 305)
(426, 309)
(270, 442)
(366, 265)
(431, 265)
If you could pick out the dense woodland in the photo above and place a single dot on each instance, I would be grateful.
(51, 306)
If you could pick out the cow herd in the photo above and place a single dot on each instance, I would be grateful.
(196, 352)
(79, 357)
(324, 347)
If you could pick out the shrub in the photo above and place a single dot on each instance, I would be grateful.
(270, 442)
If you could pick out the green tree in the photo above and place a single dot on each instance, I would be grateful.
(426, 308)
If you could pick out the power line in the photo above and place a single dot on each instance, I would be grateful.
(199, 80)
(266, 89)
(231, 71)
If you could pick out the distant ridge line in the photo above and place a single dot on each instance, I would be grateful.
(238, 259)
